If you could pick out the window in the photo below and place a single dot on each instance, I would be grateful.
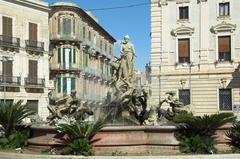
(33, 105)
(74, 23)
(64, 86)
(7, 101)
(105, 48)
(101, 43)
(33, 71)
(184, 96)
(33, 29)
(84, 32)
(224, 9)
(73, 83)
(224, 48)
(184, 51)
(225, 99)
(74, 55)
(59, 84)
(89, 35)
(7, 71)
(66, 26)
(59, 25)
(7, 27)
(183, 13)
(110, 50)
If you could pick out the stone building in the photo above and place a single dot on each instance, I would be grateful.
(195, 52)
(24, 43)
(81, 51)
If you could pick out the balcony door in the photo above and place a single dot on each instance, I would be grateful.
(7, 71)
(67, 60)
(33, 71)
(7, 29)
(33, 37)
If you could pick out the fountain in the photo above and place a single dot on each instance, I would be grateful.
(133, 125)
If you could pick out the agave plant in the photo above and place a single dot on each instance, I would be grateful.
(12, 114)
(201, 129)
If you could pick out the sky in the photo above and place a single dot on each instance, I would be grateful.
(132, 21)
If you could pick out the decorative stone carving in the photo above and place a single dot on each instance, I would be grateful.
(182, 30)
(223, 27)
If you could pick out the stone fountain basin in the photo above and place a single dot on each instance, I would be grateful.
(129, 139)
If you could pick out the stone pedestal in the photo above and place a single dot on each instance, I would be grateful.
(125, 139)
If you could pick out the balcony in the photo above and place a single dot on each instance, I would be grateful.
(10, 80)
(66, 37)
(8, 41)
(34, 82)
(64, 67)
(34, 46)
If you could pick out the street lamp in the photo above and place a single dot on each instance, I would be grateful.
(4, 59)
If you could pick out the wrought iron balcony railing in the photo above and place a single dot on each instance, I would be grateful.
(10, 80)
(9, 41)
(34, 45)
(34, 82)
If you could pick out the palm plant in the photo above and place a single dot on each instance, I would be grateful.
(12, 114)
(80, 135)
(201, 129)
(234, 135)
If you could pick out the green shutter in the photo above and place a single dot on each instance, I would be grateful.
(59, 84)
(86, 59)
(64, 57)
(64, 86)
(74, 55)
(59, 55)
(70, 58)
(73, 83)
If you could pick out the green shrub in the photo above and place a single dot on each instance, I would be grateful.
(196, 133)
(12, 115)
(80, 147)
(234, 136)
(197, 145)
(15, 140)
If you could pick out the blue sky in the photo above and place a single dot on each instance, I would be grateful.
(133, 21)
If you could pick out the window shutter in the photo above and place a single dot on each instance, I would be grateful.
(59, 25)
(33, 71)
(59, 55)
(59, 84)
(74, 55)
(70, 57)
(7, 70)
(64, 55)
(33, 32)
(64, 86)
(73, 83)
(224, 44)
(183, 48)
(7, 26)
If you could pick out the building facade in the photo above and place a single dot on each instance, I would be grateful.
(195, 52)
(24, 48)
(81, 51)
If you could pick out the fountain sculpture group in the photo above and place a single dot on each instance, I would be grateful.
(127, 102)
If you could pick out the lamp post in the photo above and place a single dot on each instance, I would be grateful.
(5, 59)
(190, 65)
